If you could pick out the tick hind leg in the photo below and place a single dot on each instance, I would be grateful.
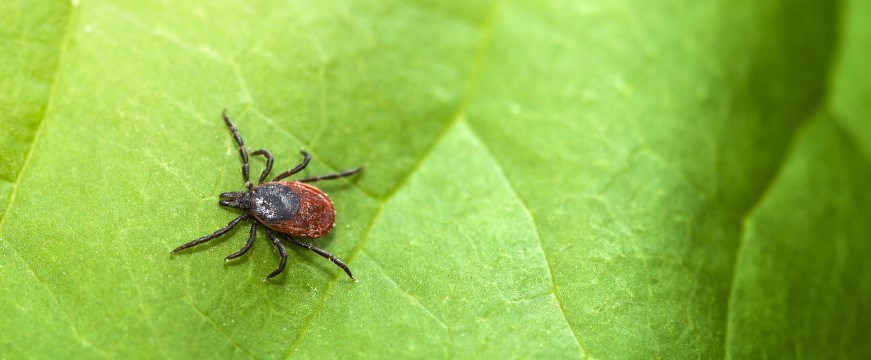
(214, 235)
(281, 251)
(332, 176)
(322, 253)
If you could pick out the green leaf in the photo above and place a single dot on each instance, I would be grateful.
(563, 179)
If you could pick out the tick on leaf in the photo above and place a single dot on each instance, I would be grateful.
(286, 209)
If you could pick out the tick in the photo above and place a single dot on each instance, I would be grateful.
(285, 209)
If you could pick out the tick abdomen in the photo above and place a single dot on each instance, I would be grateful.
(293, 208)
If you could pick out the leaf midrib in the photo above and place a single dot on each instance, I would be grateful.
(480, 57)
(799, 131)
(547, 261)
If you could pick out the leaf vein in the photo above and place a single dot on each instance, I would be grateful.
(49, 106)
(798, 133)
(354, 253)
(217, 327)
(416, 299)
(310, 318)
(481, 53)
(526, 209)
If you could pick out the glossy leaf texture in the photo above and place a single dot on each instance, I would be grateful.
(543, 179)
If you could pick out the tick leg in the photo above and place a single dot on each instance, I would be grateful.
(305, 159)
(203, 239)
(242, 150)
(247, 246)
(268, 157)
(332, 176)
(324, 254)
(281, 251)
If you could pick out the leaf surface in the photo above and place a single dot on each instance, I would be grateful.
(562, 179)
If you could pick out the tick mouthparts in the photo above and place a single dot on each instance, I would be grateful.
(230, 195)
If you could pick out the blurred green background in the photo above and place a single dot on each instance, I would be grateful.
(562, 179)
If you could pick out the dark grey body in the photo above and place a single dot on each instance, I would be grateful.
(271, 202)
(289, 207)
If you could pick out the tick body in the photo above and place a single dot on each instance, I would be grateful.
(286, 209)
(293, 208)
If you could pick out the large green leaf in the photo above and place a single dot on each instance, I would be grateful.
(564, 179)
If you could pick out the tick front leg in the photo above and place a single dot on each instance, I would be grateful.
(206, 238)
(281, 251)
(306, 157)
(268, 168)
(243, 152)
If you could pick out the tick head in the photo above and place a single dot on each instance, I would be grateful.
(238, 200)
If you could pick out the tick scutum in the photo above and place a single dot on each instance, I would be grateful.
(273, 203)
